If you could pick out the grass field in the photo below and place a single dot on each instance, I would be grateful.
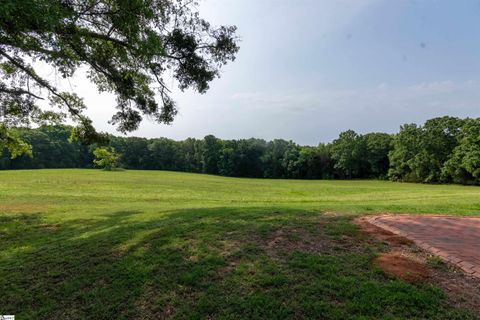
(77, 244)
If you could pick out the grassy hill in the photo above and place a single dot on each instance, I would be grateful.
(80, 244)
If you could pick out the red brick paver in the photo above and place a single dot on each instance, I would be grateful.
(454, 239)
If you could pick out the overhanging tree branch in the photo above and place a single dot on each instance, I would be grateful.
(127, 46)
(41, 82)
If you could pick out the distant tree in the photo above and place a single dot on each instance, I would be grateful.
(306, 163)
(227, 162)
(349, 152)
(420, 151)
(444, 149)
(273, 158)
(126, 47)
(191, 151)
(211, 154)
(165, 154)
(290, 161)
(105, 158)
(248, 157)
(378, 146)
(463, 165)
(133, 150)
(440, 136)
(51, 148)
(406, 145)
(315, 162)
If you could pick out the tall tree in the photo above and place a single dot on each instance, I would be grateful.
(420, 151)
(191, 152)
(463, 165)
(228, 159)
(127, 48)
(378, 147)
(133, 150)
(165, 154)
(349, 153)
(211, 154)
(406, 145)
(439, 138)
(290, 162)
(249, 153)
(315, 162)
(273, 158)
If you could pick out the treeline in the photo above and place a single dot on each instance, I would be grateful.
(444, 149)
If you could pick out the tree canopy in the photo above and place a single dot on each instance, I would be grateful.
(127, 48)
(105, 158)
(420, 152)
(463, 164)
(444, 149)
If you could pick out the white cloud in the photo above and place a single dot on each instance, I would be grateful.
(310, 118)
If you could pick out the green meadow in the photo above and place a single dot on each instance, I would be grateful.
(91, 244)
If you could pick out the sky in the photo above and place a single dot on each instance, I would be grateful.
(310, 69)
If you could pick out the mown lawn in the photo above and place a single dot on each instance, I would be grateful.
(89, 244)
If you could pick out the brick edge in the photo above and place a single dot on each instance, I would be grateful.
(466, 267)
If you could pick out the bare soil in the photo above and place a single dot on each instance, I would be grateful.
(404, 260)
(397, 265)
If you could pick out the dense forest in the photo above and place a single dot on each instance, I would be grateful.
(445, 149)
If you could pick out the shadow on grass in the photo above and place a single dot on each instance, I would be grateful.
(196, 263)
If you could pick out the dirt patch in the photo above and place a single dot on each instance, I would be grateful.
(282, 242)
(278, 244)
(462, 291)
(397, 265)
(407, 261)
(293, 239)
(285, 240)
(390, 238)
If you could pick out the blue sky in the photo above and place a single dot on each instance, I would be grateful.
(309, 69)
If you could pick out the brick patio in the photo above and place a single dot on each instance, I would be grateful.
(454, 239)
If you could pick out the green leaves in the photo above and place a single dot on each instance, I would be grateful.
(420, 152)
(349, 153)
(85, 133)
(105, 158)
(127, 46)
(463, 165)
(11, 141)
